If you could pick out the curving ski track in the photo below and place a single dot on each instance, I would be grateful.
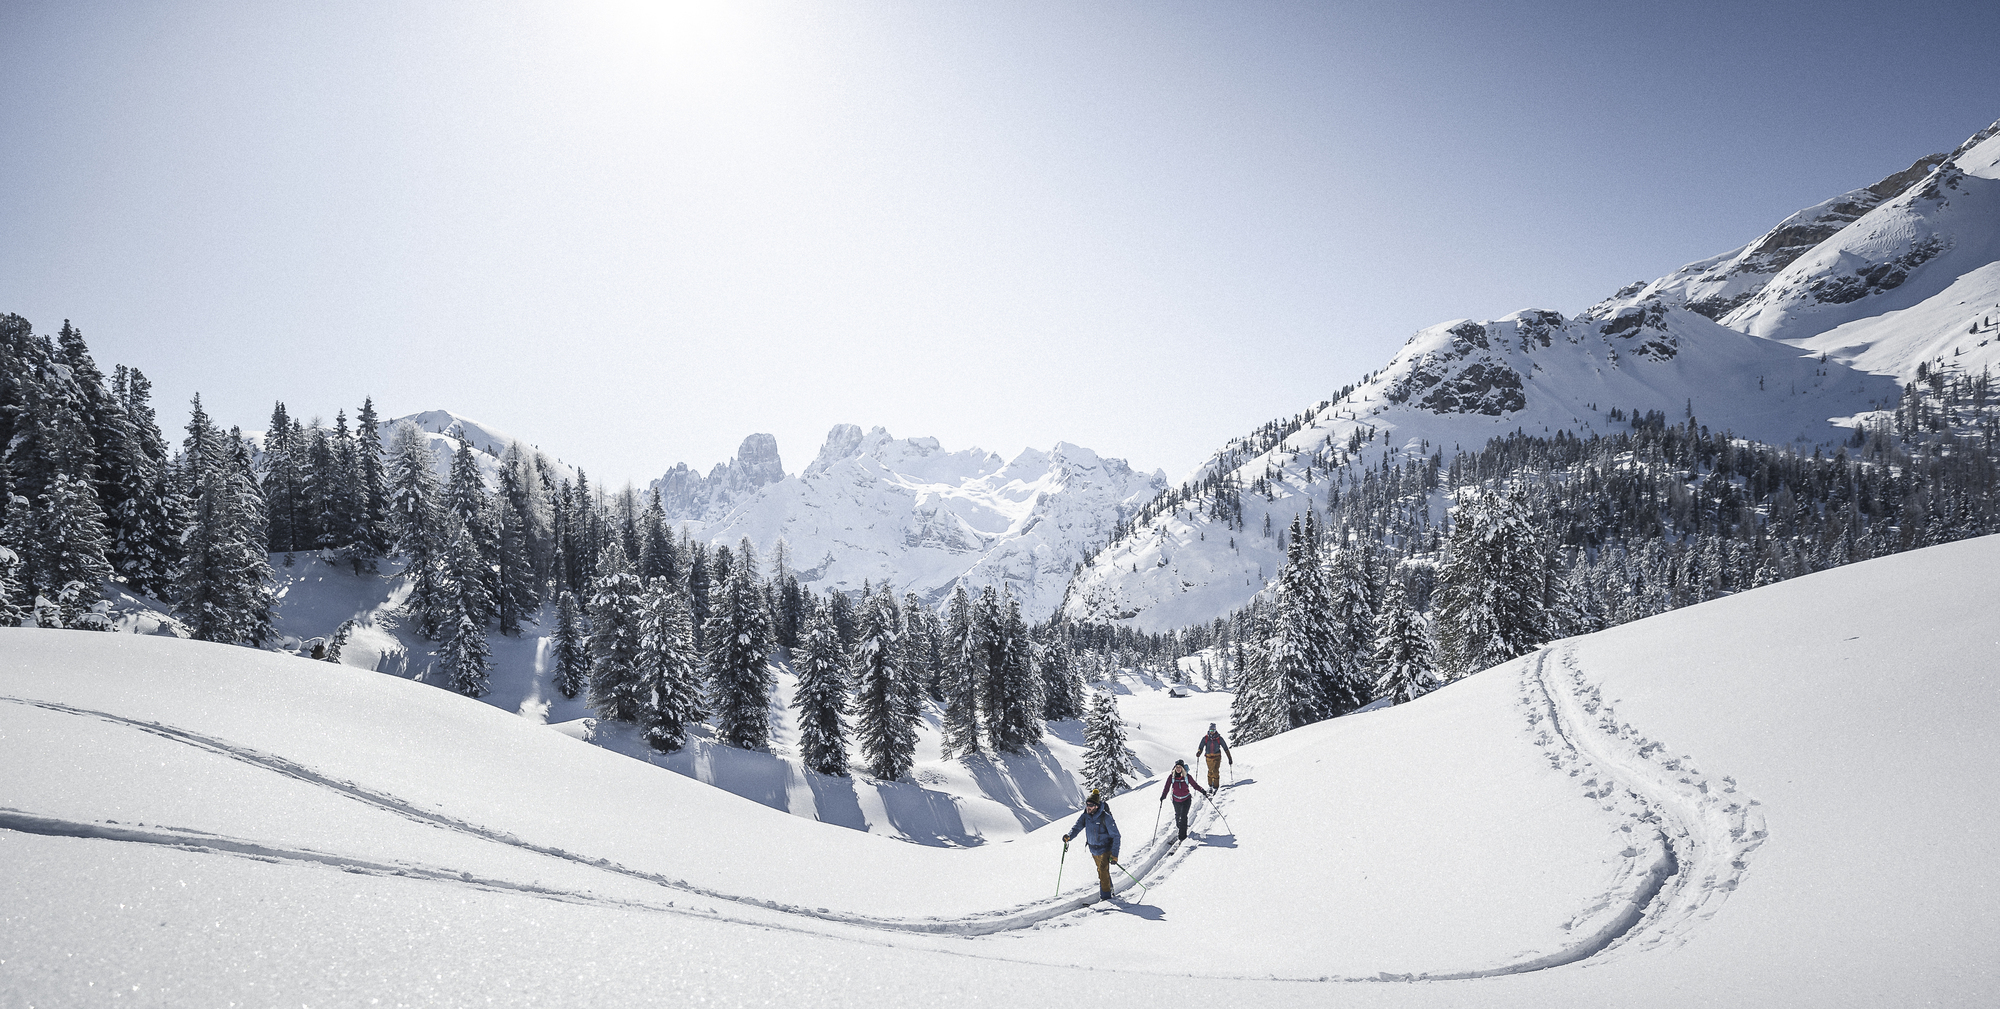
(1703, 837)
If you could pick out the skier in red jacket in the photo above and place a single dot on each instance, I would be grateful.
(1178, 784)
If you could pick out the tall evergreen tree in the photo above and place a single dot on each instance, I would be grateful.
(221, 590)
(1402, 661)
(1061, 693)
(572, 649)
(416, 518)
(1019, 722)
(821, 697)
(739, 647)
(1108, 761)
(670, 667)
(961, 686)
(375, 528)
(1300, 645)
(884, 723)
(617, 685)
(1490, 598)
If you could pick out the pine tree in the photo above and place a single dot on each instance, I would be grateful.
(1019, 723)
(739, 647)
(374, 529)
(415, 518)
(821, 697)
(617, 686)
(464, 657)
(1402, 661)
(338, 641)
(572, 651)
(1490, 598)
(515, 594)
(884, 725)
(961, 682)
(1108, 761)
(1061, 693)
(988, 655)
(1250, 711)
(670, 668)
(221, 589)
(1352, 593)
(144, 542)
(1300, 646)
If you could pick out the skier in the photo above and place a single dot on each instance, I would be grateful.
(1178, 783)
(1100, 833)
(1213, 747)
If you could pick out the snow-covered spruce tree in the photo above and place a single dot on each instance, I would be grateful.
(572, 651)
(1250, 710)
(840, 610)
(739, 649)
(1061, 693)
(988, 658)
(617, 687)
(375, 529)
(145, 542)
(884, 725)
(916, 645)
(414, 517)
(464, 656)
(1489, 602)
(669, 667)
(1352, 592)
(961, 682)
(1108, 761)
(221, 588)
(1402, 660)
(1300, 642)
(821, 697)
(515, 592)
(1020, 721)
(13, 606)
(464, 659)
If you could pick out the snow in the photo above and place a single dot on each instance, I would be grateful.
(1908, 272)
(873, 508)
(1810, 759)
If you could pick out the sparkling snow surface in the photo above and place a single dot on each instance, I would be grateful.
(1779, 798)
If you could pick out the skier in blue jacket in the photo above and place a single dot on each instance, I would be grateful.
(1100, 834)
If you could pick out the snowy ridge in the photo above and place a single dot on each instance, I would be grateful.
(1821, 321)
(874, 508)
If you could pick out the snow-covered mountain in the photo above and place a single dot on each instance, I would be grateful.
(1773, 798)
(873, 508)
(1821, 320)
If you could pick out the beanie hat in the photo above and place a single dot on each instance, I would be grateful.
(1092, 799)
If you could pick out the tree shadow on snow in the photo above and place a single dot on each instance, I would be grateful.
(1069, 730)
(836, 801)
(924, 816)
(1045, 790)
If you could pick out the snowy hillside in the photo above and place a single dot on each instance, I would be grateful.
(944, 802)
(1822, 320)
(1777, 798)
(875, 508)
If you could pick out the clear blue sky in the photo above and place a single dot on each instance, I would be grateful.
(634, 233)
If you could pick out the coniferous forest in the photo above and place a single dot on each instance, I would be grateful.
(1400, 577)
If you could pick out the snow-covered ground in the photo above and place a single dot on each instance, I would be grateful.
(1779, 798)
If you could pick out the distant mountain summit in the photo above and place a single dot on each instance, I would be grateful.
(874, 508)
(1793, 338)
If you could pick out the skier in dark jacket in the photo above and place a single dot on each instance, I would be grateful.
(1179, 784)
(1100, 834)
(1213, 747)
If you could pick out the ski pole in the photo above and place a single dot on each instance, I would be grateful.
(1158, 808)
(1219, 812)
(1059, 867)
(1135, 879)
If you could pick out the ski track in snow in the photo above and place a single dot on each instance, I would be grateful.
(1700, 835)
